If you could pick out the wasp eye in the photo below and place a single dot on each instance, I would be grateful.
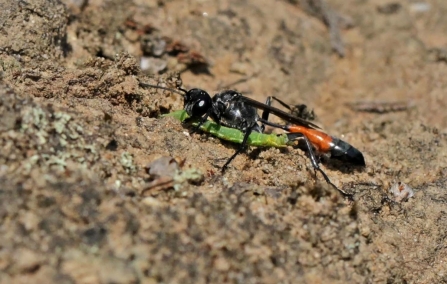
(201, 107)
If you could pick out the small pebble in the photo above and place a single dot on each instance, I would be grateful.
(401, 192)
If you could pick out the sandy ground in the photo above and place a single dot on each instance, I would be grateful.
(78, 135)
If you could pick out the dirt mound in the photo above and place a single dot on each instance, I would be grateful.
(97, 188)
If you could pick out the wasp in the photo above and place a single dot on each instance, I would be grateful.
(235, 111)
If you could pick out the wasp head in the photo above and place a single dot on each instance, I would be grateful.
(197, 102)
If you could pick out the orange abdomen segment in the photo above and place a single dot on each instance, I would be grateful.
(320, 140)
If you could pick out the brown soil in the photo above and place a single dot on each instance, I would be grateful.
(77, 134)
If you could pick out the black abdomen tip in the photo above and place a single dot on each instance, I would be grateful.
(345, 152)
(355, 157)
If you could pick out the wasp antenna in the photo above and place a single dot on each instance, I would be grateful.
(183, 90)
(144, 85)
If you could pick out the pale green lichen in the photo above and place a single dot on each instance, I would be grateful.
(127, 162)
(61, 120)
(10, 64)
(34, 121)
(187, 176)
(61, 131)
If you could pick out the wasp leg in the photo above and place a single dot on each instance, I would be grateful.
(203, 119)
(313, 160)
(299, 110)
(213, 113)
(241, 148)
(266, 113)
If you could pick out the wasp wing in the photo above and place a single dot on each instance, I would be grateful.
(279, 113)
